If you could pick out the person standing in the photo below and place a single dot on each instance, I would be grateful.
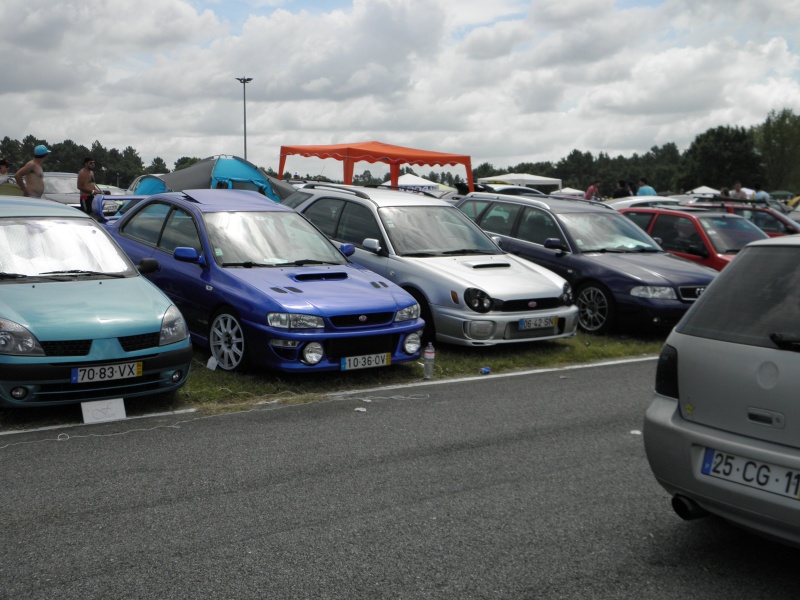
(622, 191)
(738, 192)
(593, 192)
(760, 195)
(4, 175)
(30, 178)
(645, 189)
(86, 185)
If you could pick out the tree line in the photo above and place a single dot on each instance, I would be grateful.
(768, 154)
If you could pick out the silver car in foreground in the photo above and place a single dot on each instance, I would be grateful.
(470, 291)
(722, 433)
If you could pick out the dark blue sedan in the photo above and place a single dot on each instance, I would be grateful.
(620, 275)
(260, 285)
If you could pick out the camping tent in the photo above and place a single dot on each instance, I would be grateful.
(704, 190)
(520, 179)
(415, 182)
(221, 171)
(374, 152)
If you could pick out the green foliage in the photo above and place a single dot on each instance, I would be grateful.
(185, 161)
(778, 142)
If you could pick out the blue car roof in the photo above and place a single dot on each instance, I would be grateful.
(20, 206)
(208, 200)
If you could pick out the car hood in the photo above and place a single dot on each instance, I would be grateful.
(656, 268)
(332, 290)
(500, 275)
(85, 309)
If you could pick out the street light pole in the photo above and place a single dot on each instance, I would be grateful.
(244, 81)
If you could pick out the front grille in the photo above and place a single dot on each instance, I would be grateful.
(131, 343)
(67, 348)
(522, 305)
(354, 320)
(337, 349)
(691, 293)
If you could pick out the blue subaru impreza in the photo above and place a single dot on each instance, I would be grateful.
(260, 286)
(77, 320)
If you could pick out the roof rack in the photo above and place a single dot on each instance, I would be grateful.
(338, 188)
(400, 188)
(499, 196)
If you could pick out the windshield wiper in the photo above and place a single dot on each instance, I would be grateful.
(467, 251)
(309, 261)
(248, 264)
(12, 276)
(82, 272)
(785, 342)
(646, 249)
(603, 250)
(420, 254)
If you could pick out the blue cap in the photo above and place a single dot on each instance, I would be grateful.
(40, 151)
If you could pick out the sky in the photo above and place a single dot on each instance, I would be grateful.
(505, 81)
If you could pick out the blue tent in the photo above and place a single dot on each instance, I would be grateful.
(216, 172)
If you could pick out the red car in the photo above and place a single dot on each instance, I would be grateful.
(709, 238)
(772, 222)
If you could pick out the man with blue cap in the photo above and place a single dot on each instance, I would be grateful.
(32, 185)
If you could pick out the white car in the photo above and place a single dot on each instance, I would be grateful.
(639, 201)
(470, 291)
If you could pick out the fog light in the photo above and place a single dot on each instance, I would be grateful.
(480, 330)
(177, 376)
(412, 343)
(313, 353)
(284, 343)
(19, 393)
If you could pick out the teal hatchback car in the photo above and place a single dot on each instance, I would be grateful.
(78, 322)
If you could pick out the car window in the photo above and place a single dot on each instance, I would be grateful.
(757, 295)
(676, 233)
(643, 220)
(762, 219)
(356, 224)
(146, 225)
(537, 226)
(325, 213)
(434, 230)
(180, 231)
(730, 234)
(473, 208)
(60, 185)
(605, 231)
(500, 218)
(296, 199)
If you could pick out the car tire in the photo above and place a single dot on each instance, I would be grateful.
(226, 341)
(596, 310)
(429, 334)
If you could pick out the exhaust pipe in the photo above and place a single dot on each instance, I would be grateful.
(687, 509)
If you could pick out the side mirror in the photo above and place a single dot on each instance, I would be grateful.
(698, 249)
(147, 265)
(497, 241)
(372, 245)
(347, 249)
(555, 244)
(186, 254)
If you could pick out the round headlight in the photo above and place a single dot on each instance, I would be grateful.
(313, 353)
(478, 300)
(412, 344)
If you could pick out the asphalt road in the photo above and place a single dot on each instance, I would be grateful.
(531, 486)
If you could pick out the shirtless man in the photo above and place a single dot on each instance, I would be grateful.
(86, 185)
(32, 185)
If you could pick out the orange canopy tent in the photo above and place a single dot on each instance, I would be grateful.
(374, 152)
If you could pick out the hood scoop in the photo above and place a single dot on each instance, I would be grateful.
(489, 265)
(325, 276)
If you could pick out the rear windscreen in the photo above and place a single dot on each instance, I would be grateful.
(755, 296)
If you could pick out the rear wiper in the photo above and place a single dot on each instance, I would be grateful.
(785, 342)
(82, 272)
(12, 276)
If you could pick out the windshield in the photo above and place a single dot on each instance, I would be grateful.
(61, 185)
(267, 239)
(606, 232)
(434, 231)
(729, 235)
(36, 246)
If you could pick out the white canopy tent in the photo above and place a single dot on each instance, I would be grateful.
(704, 190)
(520, 179)
(417, 183)
(568, 191)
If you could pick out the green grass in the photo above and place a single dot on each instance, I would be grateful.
(217, 391)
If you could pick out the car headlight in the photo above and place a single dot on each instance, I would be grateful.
(16, 340)
(173, 327)
(295, 321)
(566, 295)
(654, 291)
(478, 300)
(407, 313)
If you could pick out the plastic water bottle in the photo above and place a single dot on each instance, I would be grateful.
(430, 357)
